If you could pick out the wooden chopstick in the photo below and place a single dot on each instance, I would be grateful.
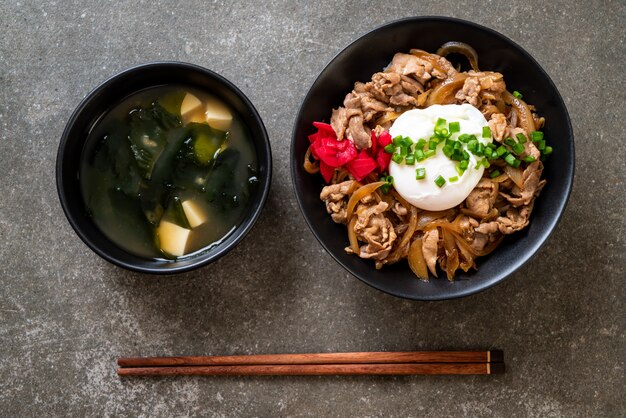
(373, 363)
(492, 356)
(319, 369)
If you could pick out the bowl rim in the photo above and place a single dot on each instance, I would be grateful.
(539, 242)
(201, 259)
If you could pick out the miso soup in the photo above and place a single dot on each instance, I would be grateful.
(168, 172)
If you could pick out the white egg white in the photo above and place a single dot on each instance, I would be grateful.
(419, 124)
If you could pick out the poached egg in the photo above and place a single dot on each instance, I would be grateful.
(420, 124)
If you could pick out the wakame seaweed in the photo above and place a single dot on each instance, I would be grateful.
(152, 175)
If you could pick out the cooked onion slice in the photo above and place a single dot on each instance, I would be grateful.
(444, 93)
(354, 242)
(417, 261)
(460, 48)
(310, 166)
(524, 114)
(360, 194)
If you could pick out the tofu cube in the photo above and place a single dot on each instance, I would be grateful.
(189, 104)
(194, 213)
(172, 238)
(218, 116)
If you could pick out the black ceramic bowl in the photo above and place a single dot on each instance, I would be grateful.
(107, 95)
(370, 54)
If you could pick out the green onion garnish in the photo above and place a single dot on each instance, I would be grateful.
(448, 150)
(406, 141)
(517, 94)
(501, 151)
(494, 174)
(397, 140)
(454, 127)
(420, 144)
(518, 149)
(509, 141)
(390, 149)
(536, 136)
(453, 179)
(547, 151)
(472, 144)
(541, 145)
(420, 173)
(486, 132)
(419, 155)
(464, 164)
(512, 161)
(459, 169)
(429, 153)
(432, 145)
(530, 159)
(404, 150)
(397, 158)
(410, 159)
(521, 138)
(440, 181)
(465, 138)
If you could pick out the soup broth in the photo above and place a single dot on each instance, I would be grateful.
(168, 172)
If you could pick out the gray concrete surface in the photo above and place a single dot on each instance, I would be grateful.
(66, 315)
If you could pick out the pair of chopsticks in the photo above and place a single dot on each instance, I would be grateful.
(368, 363)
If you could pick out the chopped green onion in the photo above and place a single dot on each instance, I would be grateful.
(485, 163)
(419, 155)
(406, 141)
(440, 181)
(472, 144)
(397, 140)
(456, 155)
(536, 136)
(420, 173)
(390, 149)
(432, 145)
(509, 141)
(420, 144)
(404, 150)
(518, 149)
(457, 145)
(501, 151)
(494, 174)
(517, 94)
(440, 124)
(453, 179)
(480, 149)
(465, 138)
(448, 150)
(459, 169)
(512, 161)
(521, 138)
(397, 158)
(429, 153)
(464, 164)
(486, 132)
(530, 159)
(541, 145)
(465, 155)
(410, 159)
(454, 127)
(547, 151)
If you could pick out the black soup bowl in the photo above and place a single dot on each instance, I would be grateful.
(112, 92)
(370, 54)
